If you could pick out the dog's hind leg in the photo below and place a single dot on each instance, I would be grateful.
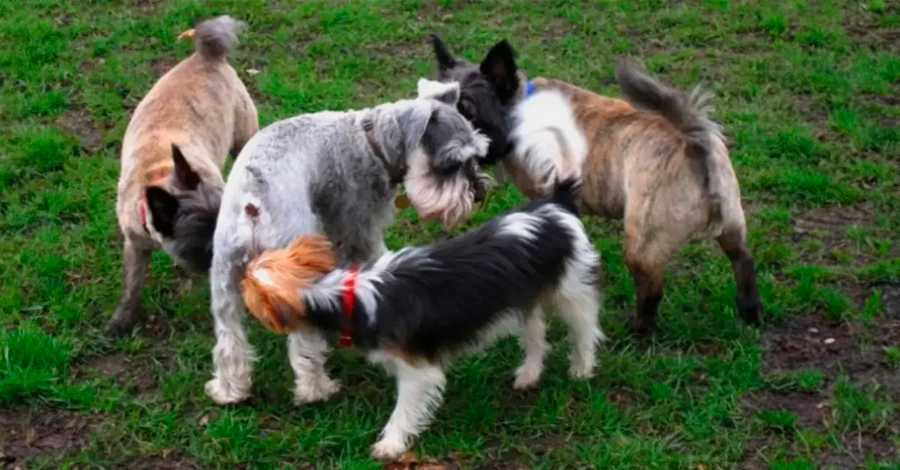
(420, 389)
(307, 351)
(534, 343)
(136, 262)
(232, 356)
(734, 243)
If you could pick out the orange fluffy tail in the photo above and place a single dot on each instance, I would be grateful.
(274, 279)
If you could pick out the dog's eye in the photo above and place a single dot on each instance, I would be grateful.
(447, 168)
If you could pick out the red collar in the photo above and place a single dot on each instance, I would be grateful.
(348, 297)
(156, 182)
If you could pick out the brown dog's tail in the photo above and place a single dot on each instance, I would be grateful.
(273, 281)
(689, 112)
(214, 38)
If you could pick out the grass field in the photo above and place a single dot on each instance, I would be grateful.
(808, 93)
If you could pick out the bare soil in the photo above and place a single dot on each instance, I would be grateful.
(26, 434)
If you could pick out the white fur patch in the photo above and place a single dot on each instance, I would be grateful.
(264, 277)
(433, 89)
(520, 225)
(549, 145)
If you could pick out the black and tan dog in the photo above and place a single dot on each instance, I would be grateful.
(170, 186)
(656, 160)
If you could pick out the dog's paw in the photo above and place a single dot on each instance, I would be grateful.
(122, 322)
(581, 371)
(526, 377)
(388, 449)
(224, 393)
(312, 391)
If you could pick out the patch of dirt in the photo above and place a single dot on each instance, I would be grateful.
(810, 408)
(828, 225)
(139, 370)
(168, 461)
(26, 434)
(78, 121)
(855, 452)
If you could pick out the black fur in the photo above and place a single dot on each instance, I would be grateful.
(438, 299)
(187, 216)
(195, 225)
(486, 92)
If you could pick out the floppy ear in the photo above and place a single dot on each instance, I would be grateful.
(499, 66)
(162, 207)
(447, 93)
(444, 59)
(185, 177)
(413, 121)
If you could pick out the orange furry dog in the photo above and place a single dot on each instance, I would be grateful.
(272, 281)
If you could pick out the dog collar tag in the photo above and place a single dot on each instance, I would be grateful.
(348, 298)
(529, 88)
(401, 201)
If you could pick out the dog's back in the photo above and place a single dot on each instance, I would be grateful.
(201, 106)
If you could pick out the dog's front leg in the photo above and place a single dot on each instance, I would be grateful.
(136, 262)
(420, 390)
(307, 352)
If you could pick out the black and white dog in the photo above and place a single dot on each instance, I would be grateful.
(335, 174)
(415, 310)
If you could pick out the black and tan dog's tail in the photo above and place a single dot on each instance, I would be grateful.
(215, 38)
(567, 194)
(688, 112)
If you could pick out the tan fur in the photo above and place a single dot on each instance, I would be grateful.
(274, 279)
(639, 168)
(202, 107)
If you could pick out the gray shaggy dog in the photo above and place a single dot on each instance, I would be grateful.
(333, 173)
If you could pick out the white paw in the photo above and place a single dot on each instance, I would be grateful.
(388, 449)
(581, 371)
(311, 391)
(225, 393)
(526, 377)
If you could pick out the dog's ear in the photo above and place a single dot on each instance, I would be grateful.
(414, 120)
(447, 93)
(185, 176)
(445, 60)
(163, 207)
(499, 66)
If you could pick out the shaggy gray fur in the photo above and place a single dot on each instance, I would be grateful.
(317, 173)
(214, 38)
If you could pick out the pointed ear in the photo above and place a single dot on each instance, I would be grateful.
(447, 93)
(499, 66)
(185, 177)
(445, 60)
(162, 207)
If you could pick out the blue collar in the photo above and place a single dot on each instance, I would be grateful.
(529, 88)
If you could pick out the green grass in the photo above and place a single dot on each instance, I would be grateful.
(806, 91)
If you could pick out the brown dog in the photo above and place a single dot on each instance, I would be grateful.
(657, 161)
(170, 187)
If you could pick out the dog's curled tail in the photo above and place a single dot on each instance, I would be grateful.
(214, 38)
(688, 112)
(274, 280)
(567, 194)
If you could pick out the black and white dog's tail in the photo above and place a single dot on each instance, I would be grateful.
(567, 194)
